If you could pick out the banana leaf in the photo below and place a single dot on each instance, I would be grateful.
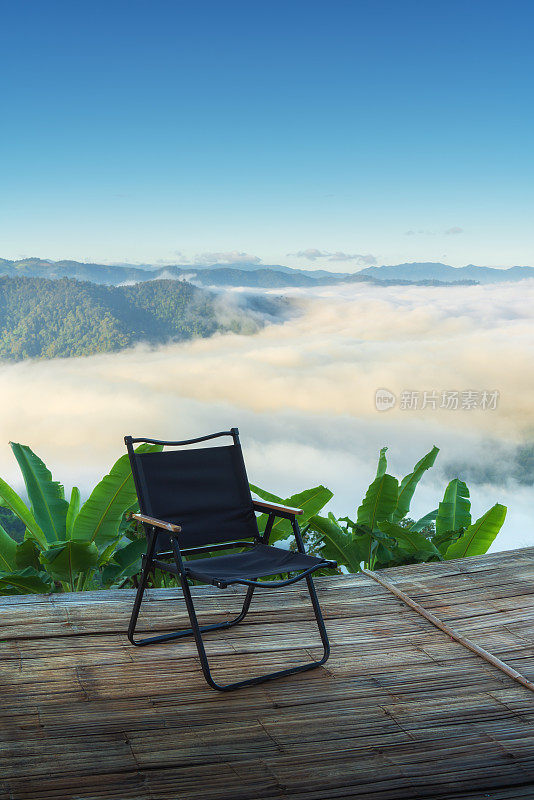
(126, 562)
(385, 556)
(339, 545)
(271, 498)
(72, 511)
(107, 553)
(126, 522)
(480, 535)
(8, 550)
(47, 497)
(411, 541)
(382, 463)
(423, 522)
(311, 501)
(64, 561)
(100, 516)
(25, 581)
(368, 543)
(454, 511)
(446, 538)
(409, 484)
(11, 500)
(379, 502)
(27, 555)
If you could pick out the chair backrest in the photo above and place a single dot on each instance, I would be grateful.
(203, 489)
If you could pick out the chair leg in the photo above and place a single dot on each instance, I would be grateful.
(197, 632)
(141, 586)
(165, 637)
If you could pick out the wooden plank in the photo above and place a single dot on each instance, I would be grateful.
(399, 710)
(453, 633)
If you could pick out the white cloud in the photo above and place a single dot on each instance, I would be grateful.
(312, 254)
(328, 359)
(234, 257)
(169, 276)
(454, 231)
(366, 259)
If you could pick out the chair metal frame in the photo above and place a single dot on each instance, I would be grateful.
(150, 562)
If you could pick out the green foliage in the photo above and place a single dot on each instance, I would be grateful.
(27, 555)
(410, 540)
(42, 318)
(125, 562)
(71, 548)
(16, 504)
(409, 484)
(67, 547)
(384, 536)
(382, 462)
(454, 511)
(11, 523)
(338, 544)
(479, 535)
(8, 549)
(25, 581)
(73, 510)
(425, 522)
(47, 496)
(379, 502)
(100, 516)
(311, 501)
(65, 561)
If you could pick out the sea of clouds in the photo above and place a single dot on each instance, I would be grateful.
(302, 392)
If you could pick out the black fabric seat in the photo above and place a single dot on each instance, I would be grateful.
(195, 503)
(259, 562)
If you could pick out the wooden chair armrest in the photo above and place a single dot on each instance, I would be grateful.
(170, 527)
(276, 508)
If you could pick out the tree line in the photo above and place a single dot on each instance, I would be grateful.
(43, 318)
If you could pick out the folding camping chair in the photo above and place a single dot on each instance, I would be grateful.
(195, 501)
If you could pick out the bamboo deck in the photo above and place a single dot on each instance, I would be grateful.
(399, 710)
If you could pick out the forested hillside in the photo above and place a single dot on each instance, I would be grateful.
(41, 318)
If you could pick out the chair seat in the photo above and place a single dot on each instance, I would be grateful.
(259, 562)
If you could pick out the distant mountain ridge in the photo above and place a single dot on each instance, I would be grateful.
(275, 276)
(444, 272)
(96, 273)
(265, 275)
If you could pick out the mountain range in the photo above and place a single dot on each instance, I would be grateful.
(69, 308)
(260, 275)
(444, 272)
(44, 318)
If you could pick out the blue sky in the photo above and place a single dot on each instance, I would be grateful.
(314, 134)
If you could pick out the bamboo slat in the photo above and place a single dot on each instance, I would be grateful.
(400, 711)
(463, 640)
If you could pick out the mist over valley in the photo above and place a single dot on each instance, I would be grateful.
(298, 376)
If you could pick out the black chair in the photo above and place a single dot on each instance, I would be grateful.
(196, 501)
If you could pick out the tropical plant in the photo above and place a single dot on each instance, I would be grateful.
(384, 536)
(68, 546)
(311, 501)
